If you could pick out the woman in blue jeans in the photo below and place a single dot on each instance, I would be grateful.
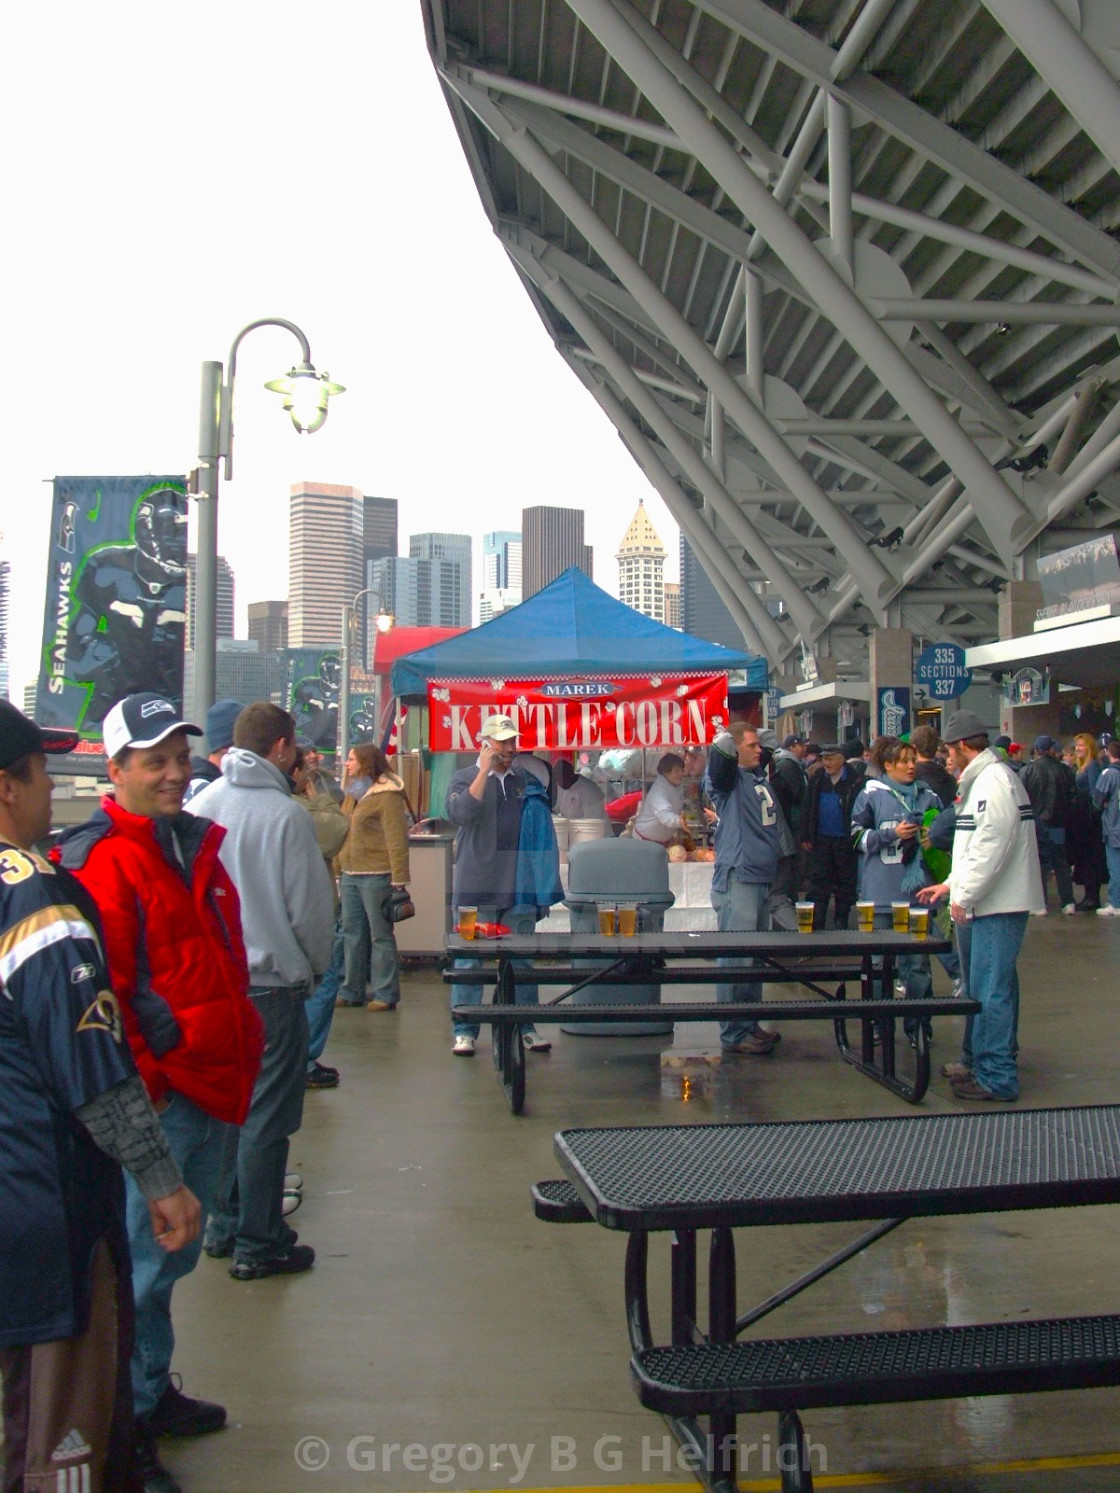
(373, 861)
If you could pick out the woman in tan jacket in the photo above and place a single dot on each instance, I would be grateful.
(373, 861)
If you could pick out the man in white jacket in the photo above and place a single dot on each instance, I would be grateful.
(994, 885)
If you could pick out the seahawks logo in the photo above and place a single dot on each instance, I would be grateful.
(104, 1015)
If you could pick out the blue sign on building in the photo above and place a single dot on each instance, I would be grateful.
(892, 711)
(942, 671)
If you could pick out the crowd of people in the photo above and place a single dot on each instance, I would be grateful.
(172, 967)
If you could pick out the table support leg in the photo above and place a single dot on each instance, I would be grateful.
(509, 1053)
(682, 1269)
(637, 1292)
(723, 1437)
(797, 1476)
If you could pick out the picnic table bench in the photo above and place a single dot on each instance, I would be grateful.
(687, 1178)
(823, 963)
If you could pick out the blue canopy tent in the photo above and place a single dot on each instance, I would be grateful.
(572, 628)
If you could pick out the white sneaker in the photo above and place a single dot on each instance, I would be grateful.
(463, 1047)
(1108, 911)
(1038, 912)
(534, 1042)
(1069, 909)
(293, 1182)
(290, 1202)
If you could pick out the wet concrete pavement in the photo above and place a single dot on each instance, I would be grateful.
(446, 1338)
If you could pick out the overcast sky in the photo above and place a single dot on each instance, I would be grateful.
(174, 173)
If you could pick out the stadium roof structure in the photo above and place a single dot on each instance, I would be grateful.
(843, 274)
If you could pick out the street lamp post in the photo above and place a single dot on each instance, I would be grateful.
(383, 623)
(305, 397)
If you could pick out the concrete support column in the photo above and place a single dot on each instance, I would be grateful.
(891, 661)
(1019, 602)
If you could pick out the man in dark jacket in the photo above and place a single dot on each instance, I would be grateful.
(486, 801)
(1052, 788)
(219, 738)
(72, 1109)
(925, 741)
(826, 835)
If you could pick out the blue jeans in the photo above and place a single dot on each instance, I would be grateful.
(994, 982)
(254, 1159)
(743, 908)
(471, 995)
(320, 1003)
(1112, 856)
(195, 1140)
(963, 933)
(369, 948)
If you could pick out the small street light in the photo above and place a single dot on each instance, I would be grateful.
(383, 623)
(306, 393)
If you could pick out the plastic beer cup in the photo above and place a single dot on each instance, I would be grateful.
(628, 920)
(468, 922)
(805, 917)
(919, 921)
(865, 916)
(606, 920)
(900, 917)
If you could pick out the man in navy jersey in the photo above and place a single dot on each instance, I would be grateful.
(747, 844)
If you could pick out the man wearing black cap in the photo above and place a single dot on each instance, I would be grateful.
(826, 834)
(179, 973)
(72, 1110)
(219, 738)
(993, 885)
(1052, 788)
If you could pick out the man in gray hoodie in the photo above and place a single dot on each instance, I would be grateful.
(287, 916)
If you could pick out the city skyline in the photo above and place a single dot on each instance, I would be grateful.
(110, 334)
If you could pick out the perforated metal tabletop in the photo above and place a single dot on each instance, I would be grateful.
(707, 1176)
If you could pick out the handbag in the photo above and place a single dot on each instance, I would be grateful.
(401, 905)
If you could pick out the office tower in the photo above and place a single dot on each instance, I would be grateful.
(703, 614)
(379, 542)
(673, 604)
(223, 623)
(268, 625)
(501, 574)
(5, 612)
(451, 582)
(326, 542)
(420, 592)
(551, 541)
(641, 566)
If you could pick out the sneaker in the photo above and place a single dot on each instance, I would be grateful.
(955, 1070)
(1069, 909)
(756, 1044)
(376, 1005)
(294, 1261)
(218, 1249)
(1087, 906)
(968, 1088)
(957, 991)
(1108, 911)
(463, 1047)
(176, 1414)
(319, 1076)
(292, 1181)
(149, 1473)
(289, 1203)
(1038, 912)
(533, 1041)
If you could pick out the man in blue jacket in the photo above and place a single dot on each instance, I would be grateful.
(500, 869)
(747, 845)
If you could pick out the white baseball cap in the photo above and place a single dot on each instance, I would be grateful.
(142, 720)
(498, 728)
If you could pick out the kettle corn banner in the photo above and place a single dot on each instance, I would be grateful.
(663, 710)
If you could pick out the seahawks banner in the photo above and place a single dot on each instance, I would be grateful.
(116, 598)
(314, 680)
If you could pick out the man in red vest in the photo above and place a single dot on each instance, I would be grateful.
(178, 969)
